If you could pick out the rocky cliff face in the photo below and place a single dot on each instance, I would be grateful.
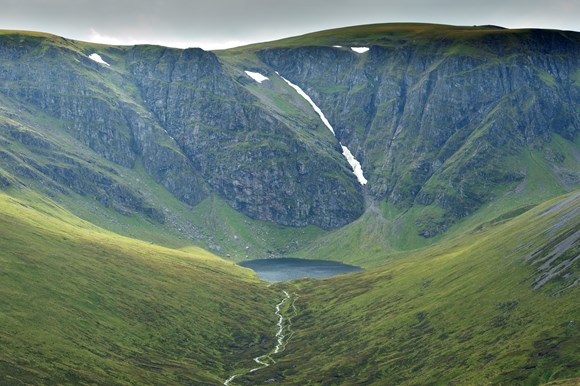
(434, 121)
(246, 155)
(190, 124)
(50, 79)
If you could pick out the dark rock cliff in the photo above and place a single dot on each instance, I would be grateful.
(436, 123)
(190, 124)
(246, 155)
(433, 120)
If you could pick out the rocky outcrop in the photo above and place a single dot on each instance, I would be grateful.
(434, 120)
(435, 124)
(248, 156)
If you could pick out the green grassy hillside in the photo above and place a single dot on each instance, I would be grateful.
(388, 34)
(80, 305)
(384, 231)
(477, 309)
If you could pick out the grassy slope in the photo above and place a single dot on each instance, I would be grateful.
(241, 237)
(390, 34)
(382, 234)
(462, 312)
(81, 305)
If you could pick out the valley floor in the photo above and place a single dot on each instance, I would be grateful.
(468, 311)
(82, 305)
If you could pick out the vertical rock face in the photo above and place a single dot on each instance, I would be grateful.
(189, 123)
(53, 79)
(88, 101)
(245, 154)
(432, 119)
(435, 123)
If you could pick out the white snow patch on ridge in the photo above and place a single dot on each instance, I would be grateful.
(97, 58)
(309, 100)
(360, 50)
(354, 164)
(256, 76)
(337, 46)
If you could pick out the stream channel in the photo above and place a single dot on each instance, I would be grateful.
(283, 269)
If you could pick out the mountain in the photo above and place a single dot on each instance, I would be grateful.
(445, 160)
(444, 121)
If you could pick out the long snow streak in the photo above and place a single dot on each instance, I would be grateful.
(354, 164)
(309, 100)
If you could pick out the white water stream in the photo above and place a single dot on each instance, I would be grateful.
(281, 339)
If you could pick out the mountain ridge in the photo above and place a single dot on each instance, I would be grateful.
(199, 125)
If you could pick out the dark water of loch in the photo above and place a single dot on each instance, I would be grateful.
(283, 269)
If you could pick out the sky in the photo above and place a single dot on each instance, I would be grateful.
(216, 24)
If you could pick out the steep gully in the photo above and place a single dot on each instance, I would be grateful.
(282, 336)
(353, 162)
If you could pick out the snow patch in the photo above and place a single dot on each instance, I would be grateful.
(230, 379)
(337, 46)
(354, 164)
(97, 58)
(256, 76)
(309, 100)
(360, 50)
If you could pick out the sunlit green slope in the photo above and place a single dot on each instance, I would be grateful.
(79, 305)
(495, 306)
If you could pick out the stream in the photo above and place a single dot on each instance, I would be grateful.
(282, 336)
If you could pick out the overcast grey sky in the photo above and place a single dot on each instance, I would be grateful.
(213, 24)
